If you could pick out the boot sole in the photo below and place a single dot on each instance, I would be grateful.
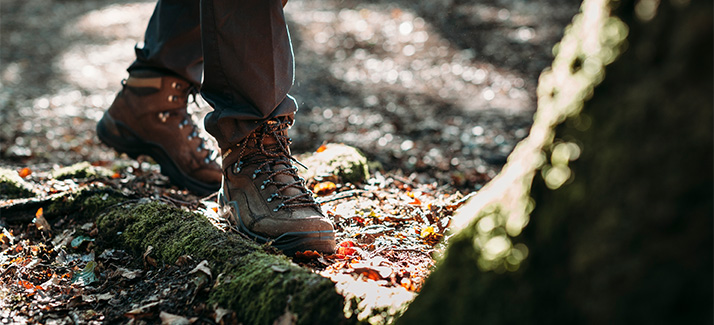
(120, 137)
(289, 243)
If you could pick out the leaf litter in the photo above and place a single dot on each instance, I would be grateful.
(388, 230)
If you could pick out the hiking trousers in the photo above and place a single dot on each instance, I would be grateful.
(243, 50)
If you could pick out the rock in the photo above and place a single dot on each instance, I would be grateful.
(81, 170)
(332, 160)
(13, 186)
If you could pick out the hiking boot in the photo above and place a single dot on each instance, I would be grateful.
(264, 198)
(149, 117)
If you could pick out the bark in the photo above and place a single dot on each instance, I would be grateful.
(616, 193)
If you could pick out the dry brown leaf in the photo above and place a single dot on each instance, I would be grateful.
(171, 319)
(148, 259)
(143, 311)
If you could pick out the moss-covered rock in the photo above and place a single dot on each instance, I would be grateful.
(255, 283)
(12, 186)
(343, 161)
(81, 170)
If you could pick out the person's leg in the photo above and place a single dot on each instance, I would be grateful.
(248, 66)
(149, 116)
(172, 41)
(248, 71)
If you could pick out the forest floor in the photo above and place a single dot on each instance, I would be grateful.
(436, 94)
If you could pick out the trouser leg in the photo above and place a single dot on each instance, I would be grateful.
(172, 42)
(248, 67)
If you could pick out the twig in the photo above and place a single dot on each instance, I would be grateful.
(342, 195)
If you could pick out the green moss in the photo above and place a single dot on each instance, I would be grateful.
(12, 186)
(255, 284)
(85, 203)
(340, 160)
(269, 285)
(81, 170)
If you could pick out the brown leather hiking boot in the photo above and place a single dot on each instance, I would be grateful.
(264, 197)
(149, 117)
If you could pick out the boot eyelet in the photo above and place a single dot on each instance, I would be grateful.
(270, 199)
(163, 116)
(173, 98)
(207, 161)
(176, 85)
(262, 187)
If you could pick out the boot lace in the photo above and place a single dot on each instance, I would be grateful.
(187, 121)
(271, 156)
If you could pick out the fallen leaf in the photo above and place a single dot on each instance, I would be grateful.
(307, 255)
(79, 241)
(143, 311)
(105, 296)
(7, 234)
(203, 275)
(220, 313)
(426, 232)
(148, 259)
(346, 248)
(374, 272)
(171, 319)
(321, 148)
(203, 268)
(86, 276)
(183, 260)
(40, 221)
(63, 239)
(324, 188)
(24, 172)
(129, 274)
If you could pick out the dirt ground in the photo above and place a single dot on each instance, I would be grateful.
(435, 93)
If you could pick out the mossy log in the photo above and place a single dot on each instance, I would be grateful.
(603, 215)
(259, 285)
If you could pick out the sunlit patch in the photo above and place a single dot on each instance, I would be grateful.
(418, 59)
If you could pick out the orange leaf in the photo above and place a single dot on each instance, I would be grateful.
(116, 175)
(346, 248)
(324, 188)
(25, 172)
(321, 148)
(307, 255)
(426, 232)
(347, 243)
(38, 213)
(415, 202)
